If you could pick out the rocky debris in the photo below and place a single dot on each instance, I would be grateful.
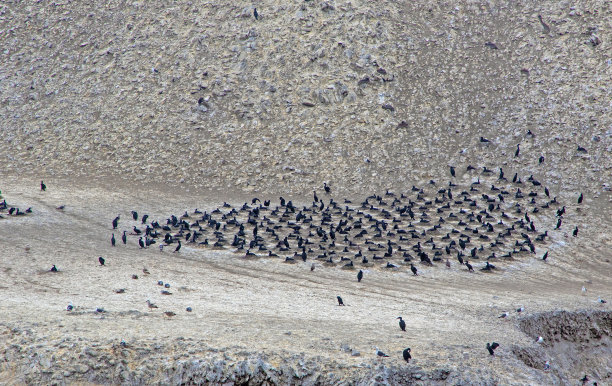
(220, 99)
(73, 360)
(574, 343)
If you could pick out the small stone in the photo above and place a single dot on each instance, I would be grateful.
(308, 104)
(355, 353)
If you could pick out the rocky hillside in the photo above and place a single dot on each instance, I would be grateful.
(364, 95)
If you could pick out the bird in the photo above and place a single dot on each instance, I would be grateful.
(484, 140)
(316, 199)
(584, 290)
(540, 340)
(503, 315)
(413, 269)
(379, 353)
(255, 14)
(101, 260)
(469, 266)
(575, 232)
(113, 240)
(70, 307)
(585, 379)
(544, 25)
(406, 355)
(518, 150)
(135, 215)
(545, 256)
(151, 305)
(169, 314)
(402, 324)
(600, 300)
(43, 187)
(491, 347)
(520, 309)
(541, 159)
(359, 276)
(115, 222)
(178, 247)
(312, 267)
(327, 188)
(54, 268)
(580, 198)
(452, 171)
(188, 309)
(124, 238)
(340, 302)
(141, 243)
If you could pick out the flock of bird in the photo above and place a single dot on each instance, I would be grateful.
(491, 219)
(488, 221)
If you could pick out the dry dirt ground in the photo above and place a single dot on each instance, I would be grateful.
(263, 305)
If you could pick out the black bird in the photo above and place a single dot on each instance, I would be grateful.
(137, 231)
(359, 276)
(178, 247)
(115, 222)
(340, 302)
(54, 268)
(255, 14)
(113, 240)
(101, 260)
(580, 198)
(585, 379)
(124, 238)
(575, 232)
(518, 150)
(141, 243)
(452, 171)
(469, 266)
(402, 324)
(316, 199)
(43, 187)
(327, 188)
(407, 355)
(491, 347)
(144, 218)
(541, 159)
(559, 223)
(135, 215)
(413, 269)
(484, 140)
(545, 256)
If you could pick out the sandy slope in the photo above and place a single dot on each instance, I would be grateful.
(264, 305)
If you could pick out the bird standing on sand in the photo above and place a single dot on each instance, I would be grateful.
(359, 276)
(406, 355)
(402, 324)
(101, 260)
(379, 353)
(575, 232)
(255, 14)
(113, 240)
(43, 187)
(340, 302)
(580, 198)
(518, 150)
(54, 268)
(545, 256)
(151, 305)
(178, 247)
(452, 171)
(115, 222)
(503, 315)
(413, 269)
(327, 188)
(124, 238)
